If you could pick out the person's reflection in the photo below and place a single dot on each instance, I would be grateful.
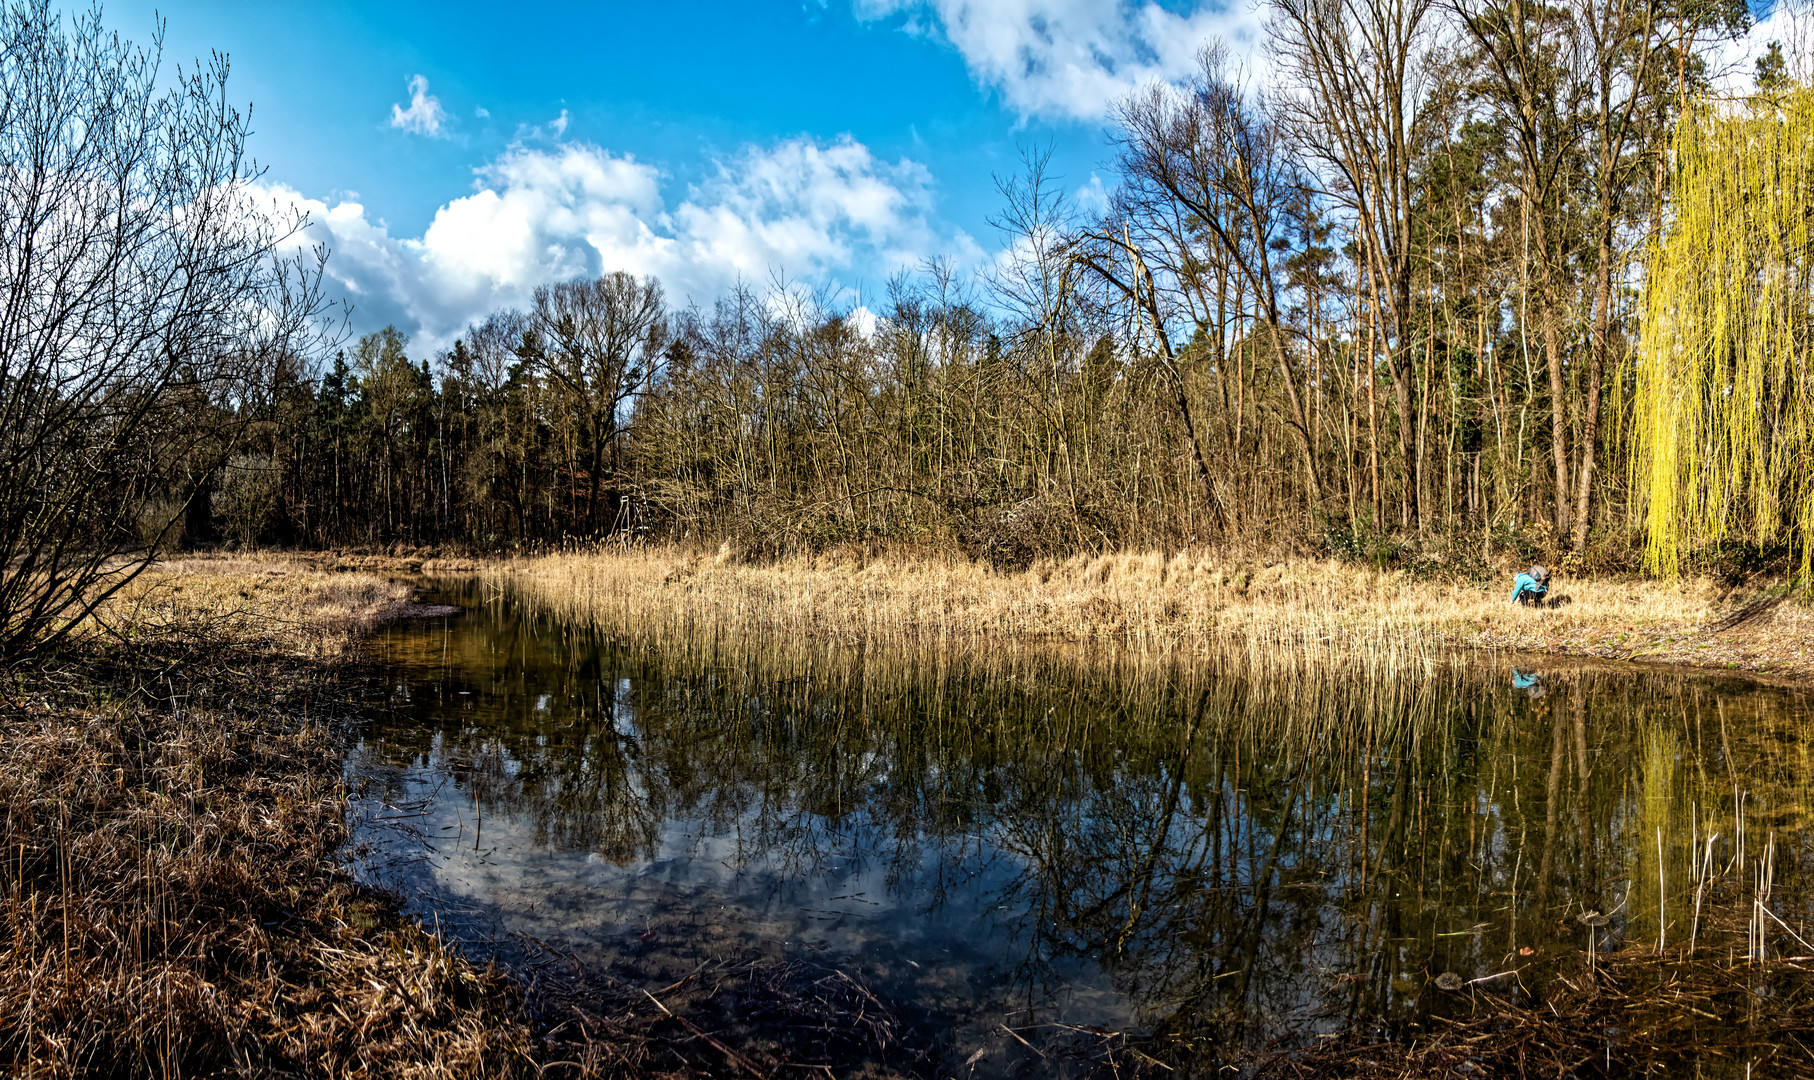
(1531, 682)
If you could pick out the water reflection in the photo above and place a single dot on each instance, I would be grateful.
(1245, 856)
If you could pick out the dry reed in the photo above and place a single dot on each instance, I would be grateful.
(170, 814)
(273, 604)
(1154, 600)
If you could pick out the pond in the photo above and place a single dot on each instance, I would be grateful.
(1018, 850)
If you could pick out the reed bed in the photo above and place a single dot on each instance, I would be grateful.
(1179, 601)
(275, 604)
(1300, 692)
(1714, 1010)
(171, 814)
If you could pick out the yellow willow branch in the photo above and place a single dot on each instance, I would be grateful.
(1724, 413)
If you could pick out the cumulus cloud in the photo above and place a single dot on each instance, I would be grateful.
(424, 115)
(816, 211)
(1074, 58)
(803, 207)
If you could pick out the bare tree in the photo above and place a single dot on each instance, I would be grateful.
(143, 307)
(1040, 284)
(1036, 284)
(1357, 104)
(602, 342)
(493, 345)
(1206, 197)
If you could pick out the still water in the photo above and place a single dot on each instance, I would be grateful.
(1059, 841)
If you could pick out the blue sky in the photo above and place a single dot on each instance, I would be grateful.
(454, 155)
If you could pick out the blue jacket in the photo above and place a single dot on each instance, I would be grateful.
(1528, 584)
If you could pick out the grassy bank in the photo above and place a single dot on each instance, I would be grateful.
(294, 607)
(170, 813)
(1180, 600)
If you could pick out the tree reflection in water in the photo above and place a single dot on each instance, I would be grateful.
(1214, 849)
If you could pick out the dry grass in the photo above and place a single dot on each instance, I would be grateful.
(289, 606)
(1181, 600)
(170, 816)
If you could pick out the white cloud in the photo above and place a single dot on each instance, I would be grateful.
(1093, 197)
(825, 213)
(1075, 58)
(424, 115)
(800, 206)
(866, 321)
(1790, 23)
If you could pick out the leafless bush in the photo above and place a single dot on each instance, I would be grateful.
(147, 297)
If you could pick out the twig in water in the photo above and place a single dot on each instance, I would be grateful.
(731, 1055)
(1023, 1042)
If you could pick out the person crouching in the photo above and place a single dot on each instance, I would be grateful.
(1531, 587)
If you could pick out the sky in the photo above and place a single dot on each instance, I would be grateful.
(455, 155)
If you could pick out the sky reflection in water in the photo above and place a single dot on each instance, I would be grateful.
(1043, 835)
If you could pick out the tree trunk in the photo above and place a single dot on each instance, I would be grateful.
(1596, 374)
(1379, 498)
(1410, 514)
(1296, 419)
(1557, 400)
(1552, 354)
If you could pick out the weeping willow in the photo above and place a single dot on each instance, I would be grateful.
(1724, 411)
